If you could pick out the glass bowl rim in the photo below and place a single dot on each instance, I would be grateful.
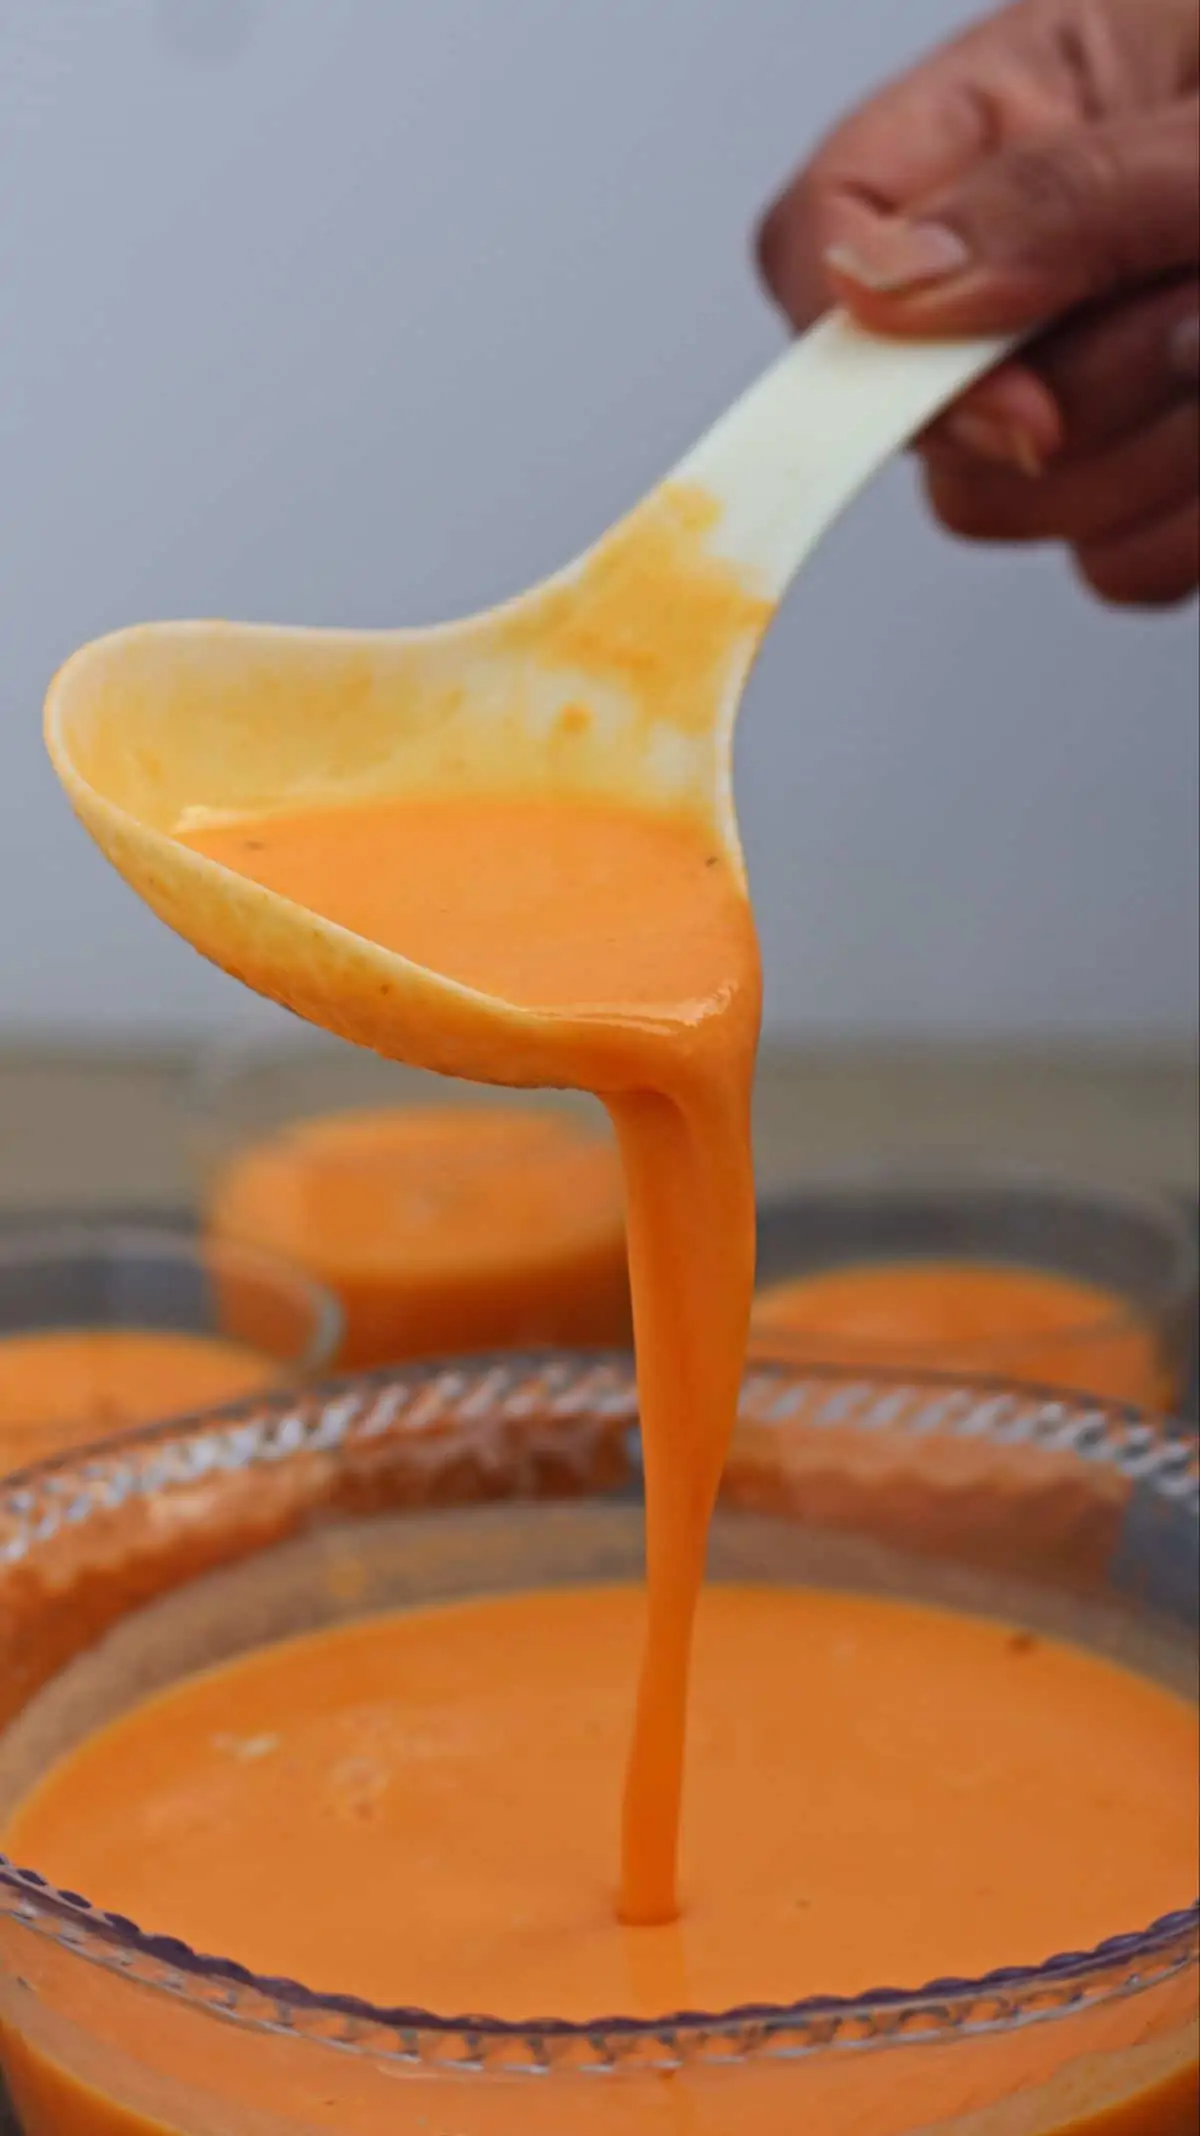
(1021, 1182)
(1164, 1456)
(225, 1070)
(32, 1240)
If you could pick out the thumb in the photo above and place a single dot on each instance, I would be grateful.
(1044, 225)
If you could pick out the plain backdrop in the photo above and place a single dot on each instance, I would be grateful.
(370, 311)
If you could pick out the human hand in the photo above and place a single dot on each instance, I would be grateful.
(1044, 167)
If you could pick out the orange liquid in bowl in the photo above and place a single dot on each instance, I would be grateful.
(64, 1387)
(441, 1229)
(419, 1809)
(975, 1317)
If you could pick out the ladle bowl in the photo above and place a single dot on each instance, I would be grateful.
(619, 679)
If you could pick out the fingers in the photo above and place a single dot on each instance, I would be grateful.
(915, 137)
(1040, 172)
(1034, 231)
(1029, 73)
(1011, 418)
(1082, 502)
(1125, 492)
(1130, 512)
(1107, 373)
(1152, 566)
(1111, 372)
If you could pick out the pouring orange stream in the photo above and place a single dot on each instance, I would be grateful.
(606, 916)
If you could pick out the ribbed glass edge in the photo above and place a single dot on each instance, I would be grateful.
(458, 1405)
(1013, 1186)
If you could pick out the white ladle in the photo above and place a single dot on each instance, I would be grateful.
(599, 682)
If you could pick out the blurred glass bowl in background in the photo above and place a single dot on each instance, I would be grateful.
(1010, 1274)
(445, 1218)
(105, 1327)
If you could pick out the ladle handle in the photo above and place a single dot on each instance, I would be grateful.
(792, 453)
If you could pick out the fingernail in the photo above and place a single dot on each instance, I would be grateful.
(887, 257)
(1026, 456)
(1185, 348)
(989, 439)
(982, 436)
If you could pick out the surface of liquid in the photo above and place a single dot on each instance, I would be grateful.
(579, 907)
(978, 1317)
(67, 1386)
(419, 1809)
(441, 1229)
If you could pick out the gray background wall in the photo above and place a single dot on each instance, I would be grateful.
(368, 312)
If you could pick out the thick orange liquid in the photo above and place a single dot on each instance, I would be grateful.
(589, 909)
(971, 1798)
(419, 1810)
(66, 1387)
(976, 1317)
(441, 1229)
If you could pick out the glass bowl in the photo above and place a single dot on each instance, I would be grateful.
(243, 1087)
(108, 1277)
(124, 1571)
(1139, 1248)
(444, 1217)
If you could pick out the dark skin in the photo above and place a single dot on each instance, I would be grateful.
(1044, 167)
